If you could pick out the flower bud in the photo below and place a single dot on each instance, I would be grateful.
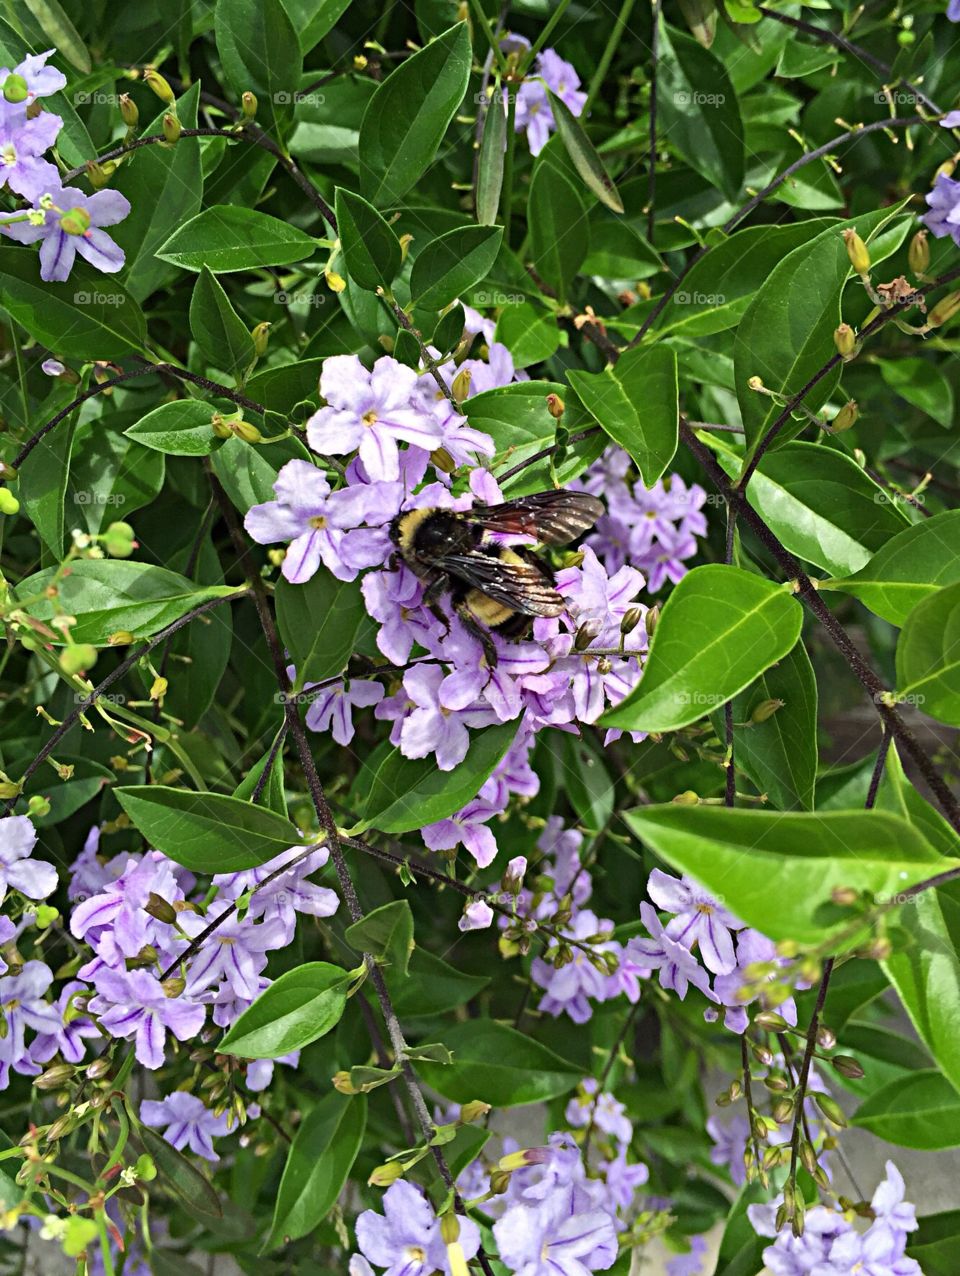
(826, 1037)
(847, 1066)
(776, 1085)
(945, 309)
(687, 798)
(120, 638)
(335, 282)
(473, 1111)
(8, 502)
(844, 338)
(158, 688)
(173, 986)
(159, 908)
(771, 1021)
(15, 89)
(631, 618)
(857, 251)
(260, 335)
(449, 1228)
(100, 1068)
(248, 105)
(247, 431)
(172, 128)
(755, 383)
(118, 540)
(499, 1181)
(844, 896)
(342, 1082)
(461, 384)
(555, 406)
(918, 254)
(220, 427)
(98, 175)
(878, 949)
(846, 417)
(78, 659)
(765, 711)
(526, 1156)
(386, 1174)
(783, 1111)
(54, 1077)
(831, 1109)
(154, 80)
(588, 633)
(63, 1125)
(129, 111)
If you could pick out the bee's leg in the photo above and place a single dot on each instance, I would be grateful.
(482, 635)
(436, 587)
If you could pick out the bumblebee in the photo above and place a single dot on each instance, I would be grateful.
(493, 588)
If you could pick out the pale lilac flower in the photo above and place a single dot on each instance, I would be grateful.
(89, 874)
(677, 965)
(429, 728)
(604, 1111)
(393, 599)
(7, 932)
(752, 948)
(287, 895)
(18, 871)
(729, 1145)
(115, 922)
(22, 142)
(132, 1003)
(533, 113)
(73, 1028)
(953, 10)
(690, 1264)
(308, 515)
(405, 1240)
(555, 1238)
(888, 1203)
(944, 200)
(332, 708)
(41, 80)
(623, 1180)
(22, 1005)
(477, 915)
(234, 955)
(59, 247)
(53, 367)
(186, 1121)
(370, 412)
(570, 989)
(468, 827)
(700, 921)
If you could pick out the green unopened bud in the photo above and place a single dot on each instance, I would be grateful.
(776, 1085)
(653, 617)
(154, 80)
(8, 502)
(54, 1077)
(771, 1021)
(78, 659)
(342, 1083)
(246, 431)
(918, 254)
(118, 540)
(172, 128)
(63, 1125)
(98, 175)
(220, 427)
(831, 1109)
(173, 986)
(765, 711)
(159, 908)
(499, 1181)
(261, 336)
(526, 1156)
(847, 1066)
(783, 1111)
(441, 460)
(335, 282)
(15, 89)
(473, 1111)
(461, 384)
(631, 618)
(75, 222)
(46, 915)
(844, 896)
(857, 251)
(120, 638)
(588, 633)
(100, 1068)
(7, 472)
(386, 1174)
(846, 417)
(555, 406)
(9, 789)
(129, 111)
(845, 339)
(945, 309)
(946, 169)
(687, 798)
(248, 105)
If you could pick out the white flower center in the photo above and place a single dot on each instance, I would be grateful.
(319, 522)
(369, 418)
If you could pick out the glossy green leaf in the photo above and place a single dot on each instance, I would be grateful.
(719, 628)
(55, 24)
(636, 403)
(188, 1184)
(431, 986)
(934, 1244)
(43, 480)
(928, 656)
(921, 1110)
(490, 163)
(923, 384)
(914, 565)
(741, 855)
(313, 19)
(180, 428)
(407, 793)
(385, 933)
(583, 154)
(108, 595)
(249, 473)
(529, 335)
(217, 328)
(370, 247)
(321, 1157)
(300, 1006)
(260, 51)
(446, 267)
(207, 832)
(409, 113)
(319, 622)
(230, 237)
(109, 474)
(559, 228)
(499, 1065)
(273, 796)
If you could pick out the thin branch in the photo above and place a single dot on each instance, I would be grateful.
(404, 320)
(654, 67)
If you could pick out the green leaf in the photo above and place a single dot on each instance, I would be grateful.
(321, 1157)
(43, 481)
(108, 595)
(446, 267)
(165, 188)
(180, 428)
(786, 335)
(636, 403)
(249, 473)
(923, 384)
(699, 111)
(60, 31)
(217, 328)
(559, 228)
(583, 154)
(314, 19)
(493, 144)
(408, 115)
(110, 473)
(720, 628)
(926, 974)
(74, 145)
(407, 793)
(502, 1067)
(386, 933)
(431, 986)
(912, 566)
(319, 623)
(741, 855)
(260, 51)
(921, 1110)
(11, 1193)
(529, 335)
(273, 796)
(928, 668)
(207, 832)
(91, 316)
(230, 237)
(188, 1184)
(297, 1008)
(370, 247)
(934, 1244)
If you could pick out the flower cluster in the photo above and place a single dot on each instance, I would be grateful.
(832, 1246)
(550, 71)
(62, 219)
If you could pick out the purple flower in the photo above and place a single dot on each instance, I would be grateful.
(405, 1240)
(7, 932)
(752, 948)
(569, 988)
(287, 895)
(555, 1238)
(41, 80)
(308, 515)
(601, 1110)
(18, 871)
(888, 1203)
(944, 200)
(332, 709)
(623, 1180)
(234, 955)
(428, 727)
(393, 599)
(371, 412)
(677, 965)
(953, 10)
(691, 1263)
(533, 113)
(477, 915)
(469, 827)
(729, 1145)
(72, 1029)
(116, 922)
(700, 921)
(72, 224)
(90, 874)
(186, 1122)
(132, 1003)
(23, 1006)
(22, 142)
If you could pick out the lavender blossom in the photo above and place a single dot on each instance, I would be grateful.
(307, 515)
(22, 1006)
(18, 871)
(677, 965)
(73, 1028)
(71, 222)
(234, 955)
(405, 1240)
(477, 915)
(22, 141)
(944, 200)
(729, 1146)
(287, 895)
(602, 1110)
(700, 921)
(691, 1263)
(39, 80)
(556, 1238)
(132, 1003)
(186, 1122)
(332, 709)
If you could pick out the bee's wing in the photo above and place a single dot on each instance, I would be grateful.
(553, 518)
(523, 586)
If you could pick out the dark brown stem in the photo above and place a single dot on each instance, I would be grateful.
(404, 320)
(748, 1096)
(264, 778)
(804, 1076)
